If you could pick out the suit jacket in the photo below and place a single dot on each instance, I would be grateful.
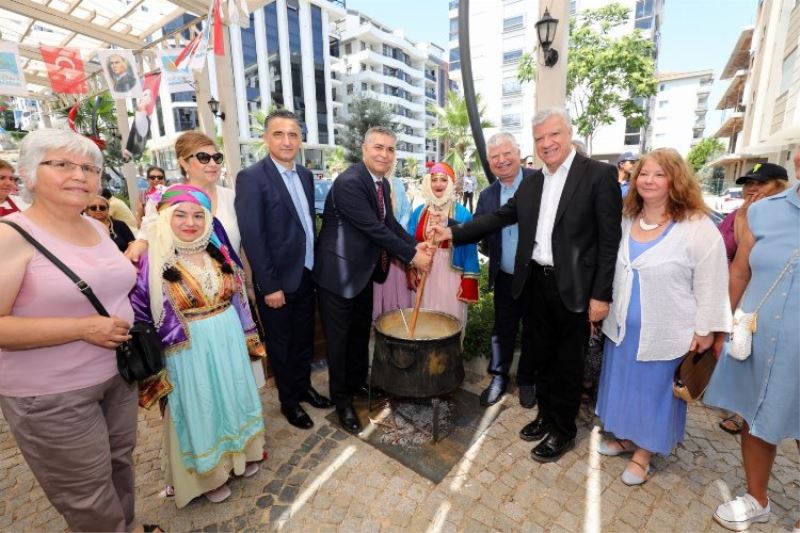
(586, 233)
(489, 202)
(272, 232)
(352, 235)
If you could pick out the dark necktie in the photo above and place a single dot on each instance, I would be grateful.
(382, 216)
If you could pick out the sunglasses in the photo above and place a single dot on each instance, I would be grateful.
(100, 208)
(204, 158)
(155, 177)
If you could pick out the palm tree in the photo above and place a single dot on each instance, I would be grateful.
(411, 166)
(453, 128)
(257, 129)
(336, 161)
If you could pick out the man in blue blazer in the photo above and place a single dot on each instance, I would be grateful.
(359, 235)
(275, 209)
(504, 161)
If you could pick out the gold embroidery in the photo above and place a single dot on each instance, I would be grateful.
(226, 438)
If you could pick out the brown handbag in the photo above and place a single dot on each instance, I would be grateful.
(693, 374)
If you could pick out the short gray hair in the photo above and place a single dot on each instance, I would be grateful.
(379, 130)
(37, 143)
(580, 146)
(549, 112)
(499, 138)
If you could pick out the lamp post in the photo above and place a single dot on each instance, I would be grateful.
(551, 82)
(213, 104)
(546, 31)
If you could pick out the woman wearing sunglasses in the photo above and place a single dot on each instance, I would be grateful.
(119, 231)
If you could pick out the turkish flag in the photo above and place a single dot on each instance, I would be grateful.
(65, 68)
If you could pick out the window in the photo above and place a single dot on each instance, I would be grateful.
(363, 86)
(513, 23)
(274, 54)
(511, 86)
(786, 71)
(251, 83)
(661, 87)
(455, 55)
(348, 48)
(319, 38)
(454, 29)
(644, 14)
(663, 103)
(511, 121)
(185, 118)
(349, 88)
(512, 56)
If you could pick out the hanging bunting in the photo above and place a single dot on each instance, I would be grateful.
(119, 67)
(219, 36)
(12, 77)
(65, 69)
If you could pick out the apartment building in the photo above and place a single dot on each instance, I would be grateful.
(381, 63)
(679, 115)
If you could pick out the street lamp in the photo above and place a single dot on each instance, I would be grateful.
(113, 130)
(213, 104)
(546, 31)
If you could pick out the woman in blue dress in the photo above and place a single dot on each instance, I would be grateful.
(763, 388)
(670, 296)
(190, 286)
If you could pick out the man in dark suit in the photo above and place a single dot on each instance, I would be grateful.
(569, 216)
(359, 235)
(275, 210)
(504, 161)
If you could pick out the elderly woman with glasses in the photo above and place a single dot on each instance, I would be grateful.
(192, 289)
(9, 202)
(71, 413)
(99, 209)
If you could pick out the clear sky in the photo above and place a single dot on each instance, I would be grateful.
(695, 34)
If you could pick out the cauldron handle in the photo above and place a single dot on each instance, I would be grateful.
(407, 362)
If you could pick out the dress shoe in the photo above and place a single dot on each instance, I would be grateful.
(315, 399)
(348, 419)
(297, 417)
(492, 394)
(536, 430)
(552, 448)
(527, 396)
(363, 391)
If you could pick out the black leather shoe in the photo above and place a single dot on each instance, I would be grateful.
(297, 417)
(315, 399)
(348, 419)
(552, 448)
(527, 396)
(492, 394)
(363, 391)
(536, 430)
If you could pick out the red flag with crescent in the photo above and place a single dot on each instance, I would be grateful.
(65, 68)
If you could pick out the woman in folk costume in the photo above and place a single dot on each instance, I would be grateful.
(190, 285)
(453, 280)
(393, 293)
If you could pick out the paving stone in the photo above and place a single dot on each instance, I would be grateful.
(265, 501)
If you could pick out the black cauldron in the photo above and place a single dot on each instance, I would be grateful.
(426, 366)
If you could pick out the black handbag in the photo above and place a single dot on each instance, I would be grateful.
(138, 358)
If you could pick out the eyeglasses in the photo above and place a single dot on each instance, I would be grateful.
(204, 158)
(155, 177)
(64, 167)
(100, 208)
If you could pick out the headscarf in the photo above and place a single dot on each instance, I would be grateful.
(164, 246)
(449, 193)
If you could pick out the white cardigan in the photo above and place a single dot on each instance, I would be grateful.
(683, 282)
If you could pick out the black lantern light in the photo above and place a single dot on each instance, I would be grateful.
(546, 31)
(113, 130)
(213, 104)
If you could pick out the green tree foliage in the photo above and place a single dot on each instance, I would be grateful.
(257, 119)
(605, 73)
(703, 152)
(411, 166)
(336, 161)
(365, 113)
(452, 127)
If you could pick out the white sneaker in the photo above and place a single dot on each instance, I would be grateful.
(738, 514)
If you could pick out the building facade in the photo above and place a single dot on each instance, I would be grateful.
(281, 57)
(501, 31)
(380, 63)
(678, 118)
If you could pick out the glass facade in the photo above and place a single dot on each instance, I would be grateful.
(296, 60)
(185, 118)
(252, 87)
(319, 34)
(274, 54)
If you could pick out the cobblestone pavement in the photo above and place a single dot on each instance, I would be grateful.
(326, 480)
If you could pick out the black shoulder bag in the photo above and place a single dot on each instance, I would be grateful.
(138, 358)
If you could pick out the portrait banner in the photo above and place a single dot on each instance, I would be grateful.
(65, 69)
(140, 127)
(12, 77)
(119, 67)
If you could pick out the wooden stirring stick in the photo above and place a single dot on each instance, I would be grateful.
(420, 289)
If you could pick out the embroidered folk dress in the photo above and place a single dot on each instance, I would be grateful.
(213, 423)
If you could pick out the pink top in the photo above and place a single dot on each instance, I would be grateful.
(48, 292)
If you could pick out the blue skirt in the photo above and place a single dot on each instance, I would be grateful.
(215, 407)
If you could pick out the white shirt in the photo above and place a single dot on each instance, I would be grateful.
(683, 282)
(468, 183)
(551, 195)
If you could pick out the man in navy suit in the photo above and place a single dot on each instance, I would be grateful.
(504, 161)
(359, 235)
(275, 209)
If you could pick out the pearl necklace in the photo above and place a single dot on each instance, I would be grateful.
(648, 227)
(206, 276)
